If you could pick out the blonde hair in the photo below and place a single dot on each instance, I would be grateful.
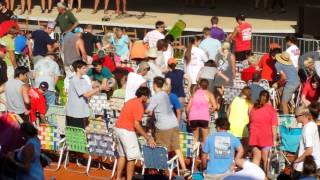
(225, 47)
(308, 61)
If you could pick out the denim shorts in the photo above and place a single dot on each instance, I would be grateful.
(288, 90)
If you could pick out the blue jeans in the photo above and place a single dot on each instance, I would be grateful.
(50, 97)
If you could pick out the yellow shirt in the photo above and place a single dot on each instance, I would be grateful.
(9, 42)
(239, 117)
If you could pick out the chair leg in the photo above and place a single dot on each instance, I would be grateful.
(88, 165)
(193, 162)
(66, 161)
(143, 168)
(114, 167)
(60, 158)
(178, 168)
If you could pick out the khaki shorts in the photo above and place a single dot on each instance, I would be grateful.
(168, 138)
(128, 145)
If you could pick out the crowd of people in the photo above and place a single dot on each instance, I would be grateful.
(149, 79)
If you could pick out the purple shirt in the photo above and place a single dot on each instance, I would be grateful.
(217, 33)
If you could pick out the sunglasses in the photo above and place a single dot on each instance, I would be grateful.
(296, 116)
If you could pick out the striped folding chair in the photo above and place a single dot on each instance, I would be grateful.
(50, 141)
(98, 103)
(103, 145)
(56, 116)
(189, 148)
(97, 126)
(76, 141)
(116, 103)
(230, 93)
(157, 158)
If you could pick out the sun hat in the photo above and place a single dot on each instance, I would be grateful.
(284, 58)
(172, 61)
(152, 53)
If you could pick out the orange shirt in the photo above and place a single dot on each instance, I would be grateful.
(132, 110)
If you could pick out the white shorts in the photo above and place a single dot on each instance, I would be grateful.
(128, 145)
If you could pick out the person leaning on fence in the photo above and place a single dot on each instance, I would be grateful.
(152, 37)
(309, 142)
(127, 125)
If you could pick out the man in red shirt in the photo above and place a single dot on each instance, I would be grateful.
(242, 38)
(38, 102)
(268, 61)
(129, 122)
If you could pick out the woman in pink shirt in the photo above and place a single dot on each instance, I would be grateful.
(199, 109)
(263, 129)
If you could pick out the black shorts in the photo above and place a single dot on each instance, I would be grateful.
(77, 122)
(199, 124)
(242, 55)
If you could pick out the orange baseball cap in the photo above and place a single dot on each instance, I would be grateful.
(172, 61)
(274, 46)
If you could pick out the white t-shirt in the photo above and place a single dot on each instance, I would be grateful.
(198, 58)
(46, 70)
(168, 54)
(294, 53)
(249, 171)
(133, 83)
(152, 38)
(309, 138)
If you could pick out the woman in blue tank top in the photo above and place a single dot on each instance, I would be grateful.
(27, 158)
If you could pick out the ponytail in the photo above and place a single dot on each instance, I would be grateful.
(187, 54)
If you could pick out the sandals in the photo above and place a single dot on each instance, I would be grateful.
(78, 10)
(94, 11)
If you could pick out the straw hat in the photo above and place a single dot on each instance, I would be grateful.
(284, 58)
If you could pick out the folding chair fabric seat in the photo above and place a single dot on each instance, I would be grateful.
(186, 143)
(97, 126)
(76, 140)
(56, 116)
(230, 93)
(98, 103)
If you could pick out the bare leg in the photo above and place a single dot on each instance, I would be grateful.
(285, 108)
(106, 4)
(196, 134)
(181, 159)
(256, 156)
(29, 6)
(12, 5)
(49, 4)
(120, 166)
(43, 5)
(130, 169)
(117, 6)
(79, 4)
(96, 4)
(70, 4)
(124, 6)
(205, 132)
(8, 4)
(23, 4)
(265, 156)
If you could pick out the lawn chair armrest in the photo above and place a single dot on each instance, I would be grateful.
(174, 158)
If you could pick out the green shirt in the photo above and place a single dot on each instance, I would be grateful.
(119, 93)
(66, 20)
(9, 42)
(105, 74)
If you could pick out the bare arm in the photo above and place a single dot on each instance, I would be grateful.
(82, 50)
(240, 152)
(189, 81)
(25, 95)
(274, 134)
(29, 45)
(140, 130)
(305, 101)
(74, 26)
(233, 65)
(233, 35)
(212, 102)
(91, 93)
(178, 112)
(223, 76)
(307, 151)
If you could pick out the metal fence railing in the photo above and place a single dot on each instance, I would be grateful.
(260, 43)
